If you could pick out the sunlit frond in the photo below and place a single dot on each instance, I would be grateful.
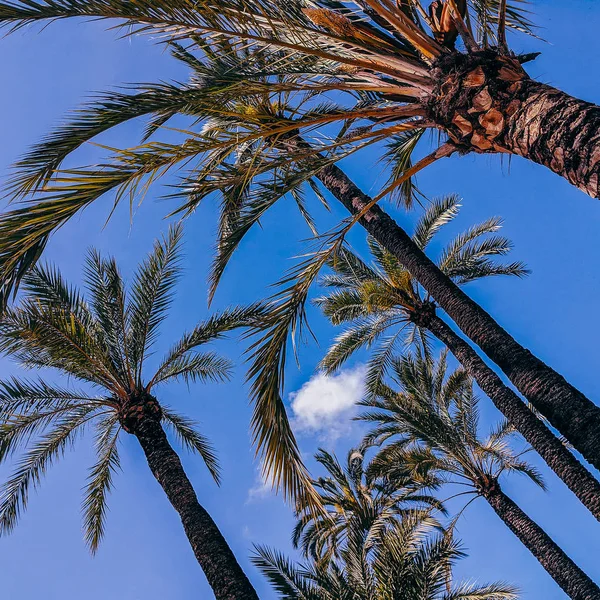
(440, 212)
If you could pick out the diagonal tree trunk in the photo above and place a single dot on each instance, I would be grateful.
(486, 102)
(225, 576)
(573, 581)
(577, 478)
(565, 407)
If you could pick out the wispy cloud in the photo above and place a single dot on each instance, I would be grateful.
(325, 405)
(262, 488)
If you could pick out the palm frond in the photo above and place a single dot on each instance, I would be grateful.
(190, 438)
(106, 290)
(182, 359)
(21, 396)
(284, 319)
(151, 296)
(36, 461)
(441, 212)
(100, 479)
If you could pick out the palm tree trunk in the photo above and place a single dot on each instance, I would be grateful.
(225, 576)
(487, 103)
(565, 407)
(573, 581)
(577, 478)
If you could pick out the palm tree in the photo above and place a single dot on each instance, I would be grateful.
(382, 304)
(252, 92)
(431, 427)
(406, 562)
(103, 342)
(354, 501)
(403, 57)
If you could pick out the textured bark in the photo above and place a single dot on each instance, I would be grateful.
(565, 407)
(487, 103)
(577, 478)
(573, 581)
(225, 576)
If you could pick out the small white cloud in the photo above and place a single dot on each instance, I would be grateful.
(325, 404)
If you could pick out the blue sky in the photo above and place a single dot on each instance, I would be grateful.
(553, 312)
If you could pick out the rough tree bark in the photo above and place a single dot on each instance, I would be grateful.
(573, 581)
(565, 407)
(142, 418)
(486, 102)
(577, 478)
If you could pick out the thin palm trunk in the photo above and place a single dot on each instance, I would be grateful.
(565, 407)
(573, 581)
(488, 103)
(577, 478)
(225, 576)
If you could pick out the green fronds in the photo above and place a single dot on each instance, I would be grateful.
(190, 438)
(342, 305)
(363, 333)
(441, 212)
(494, 591)
(289, 581)
(356, 503)
(408, 560)
(36, 168)
(100, 480)
(430, 428)
(151, 296)
(283, 323)
(31, 396)
(106, 290)
(398, 157)
(200, 366)
(39, 336)
(468, 256)
(376, 304)
(182, 360)
(37, 459)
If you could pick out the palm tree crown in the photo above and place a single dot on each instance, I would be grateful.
(430, 427)
(406, 562)
(102, 341)
(386, 298)
(354, 501)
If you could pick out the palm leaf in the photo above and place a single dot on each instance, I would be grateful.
(151, 296)
(100, 480)
(186, 431)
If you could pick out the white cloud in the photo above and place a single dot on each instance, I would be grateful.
(325, 404)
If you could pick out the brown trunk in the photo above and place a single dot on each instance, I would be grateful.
(565, 407)
(577, 478)
(225, 576)
(573, 581)
(487, 103)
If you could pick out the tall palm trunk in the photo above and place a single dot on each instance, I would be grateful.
(573, 581)
(488, 103)
(577, 478)
(565, 407)
(225, 576)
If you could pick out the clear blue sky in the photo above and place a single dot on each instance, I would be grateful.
(553, 312)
